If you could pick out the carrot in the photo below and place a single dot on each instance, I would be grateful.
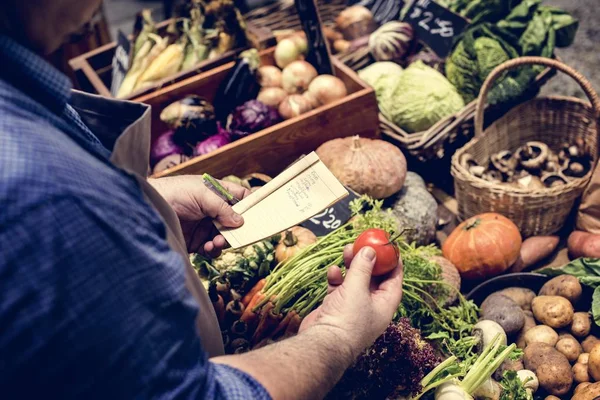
(293, 326)
(249, 316)
(255, 289)
(267, 324)
(281, 328)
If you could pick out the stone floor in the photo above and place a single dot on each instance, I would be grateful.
(584, 55)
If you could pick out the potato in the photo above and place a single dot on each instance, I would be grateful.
(570, 347)
(589, 392)
(551, 398)
(566, 286)
(581, 325)
(581, 386)
(529, 323)
(541, 334)
(522, 296)
(554, 311)
(534, 250)
(584, 244)
(594, 362)
(580, 373)
(583, 358)
(503, 310)
(589, 343)
(551, 367)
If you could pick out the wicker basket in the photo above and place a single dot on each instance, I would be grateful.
(282, 14)
(553, 120)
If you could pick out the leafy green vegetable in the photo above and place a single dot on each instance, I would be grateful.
(512, 387)
(418, 98)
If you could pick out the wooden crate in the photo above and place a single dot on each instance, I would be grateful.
(272, 149)
(93, 70)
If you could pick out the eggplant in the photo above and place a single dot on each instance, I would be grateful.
(240, 85)
(192, 119)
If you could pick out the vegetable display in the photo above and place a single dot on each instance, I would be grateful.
(368, 166)
(204, 31)
(250, 99)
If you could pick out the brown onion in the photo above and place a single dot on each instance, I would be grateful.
(296, 77)
(272, 96)
(286, 52)
(294, 105)
(269, 76)
(311, 99)
(327, 89)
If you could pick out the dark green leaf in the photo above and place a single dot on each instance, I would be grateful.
(581, 267)
(596, 306)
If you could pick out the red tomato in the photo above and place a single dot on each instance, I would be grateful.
(387, 252)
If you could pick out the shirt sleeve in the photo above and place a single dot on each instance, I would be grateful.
(95, 307)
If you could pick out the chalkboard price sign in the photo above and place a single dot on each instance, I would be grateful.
(436, 26)
(332, 217)
(120, 62)
(318, 50)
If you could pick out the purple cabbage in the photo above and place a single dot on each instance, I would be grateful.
(251, 117)
(213, 142)
(164, 146)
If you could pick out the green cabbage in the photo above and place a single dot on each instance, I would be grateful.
(418, 98)
(377, 74)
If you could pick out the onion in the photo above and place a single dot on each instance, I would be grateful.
(286, 52)
(164, 146)
(211, 144)
(294, 105)
(327, 89)
(269, 76)
(272, 96)
(313, 101)
(297, 76)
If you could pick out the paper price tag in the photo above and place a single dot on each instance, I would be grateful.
(436, 26)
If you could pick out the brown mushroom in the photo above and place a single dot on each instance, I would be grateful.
(553, 179)
(468, 162)
(504, 162)
(576, 169)
(493, 176)
(533, 155)
(530, 182)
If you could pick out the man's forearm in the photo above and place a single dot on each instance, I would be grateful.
(306, 366)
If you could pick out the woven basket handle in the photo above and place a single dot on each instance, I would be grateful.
(517, 62)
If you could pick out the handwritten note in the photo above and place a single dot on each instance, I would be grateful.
(436, 26)
(300, 192)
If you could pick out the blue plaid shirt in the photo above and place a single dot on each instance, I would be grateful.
(93, 303)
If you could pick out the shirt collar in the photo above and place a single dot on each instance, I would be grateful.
(33, 75)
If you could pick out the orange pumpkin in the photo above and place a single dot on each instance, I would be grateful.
(292, 241)
(483, 246)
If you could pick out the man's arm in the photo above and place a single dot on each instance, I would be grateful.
(354, 313)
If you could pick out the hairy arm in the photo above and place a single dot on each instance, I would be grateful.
(306, 366)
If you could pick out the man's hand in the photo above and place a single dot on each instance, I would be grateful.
(359, 307)
(196, 206)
